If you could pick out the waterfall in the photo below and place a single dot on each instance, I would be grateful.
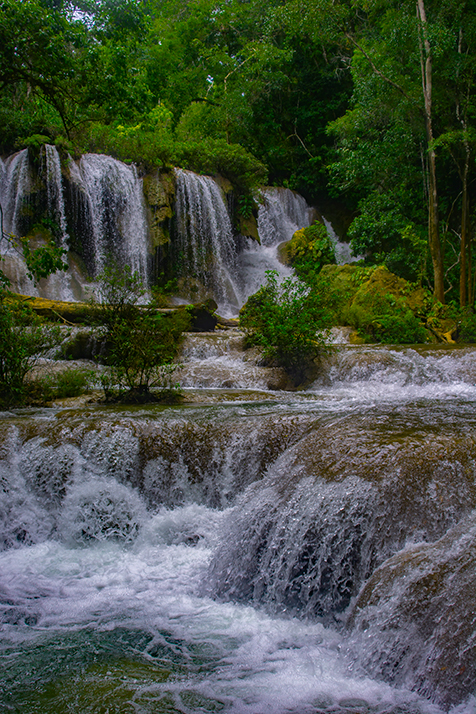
(116, 212)
(111, 217)
(281, 213)
(204, 247)
(15, 198)
(54, 191)
(15, 188)
(343, 251)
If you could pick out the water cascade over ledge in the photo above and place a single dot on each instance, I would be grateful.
(204, 244)
(251, 550)
(94, 207)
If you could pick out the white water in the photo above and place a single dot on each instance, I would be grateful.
(204, 244)
(15, 183)
(162, 559)
(117, 212)
(111, 219)
(281, 213)
(108, 217)
(343, 251)
(54, 190)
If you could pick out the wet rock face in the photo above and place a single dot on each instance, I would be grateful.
(421, 596)
(159, 192)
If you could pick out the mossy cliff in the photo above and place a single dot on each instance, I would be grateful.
(159, 193)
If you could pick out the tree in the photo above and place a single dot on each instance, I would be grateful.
(398, 50)
(23, 339)
(39, 48)
(141, 343)
(283, 320)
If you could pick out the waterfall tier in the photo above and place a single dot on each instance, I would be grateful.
(97, 209)
(204, 245)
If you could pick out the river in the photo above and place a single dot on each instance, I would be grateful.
(249, 551)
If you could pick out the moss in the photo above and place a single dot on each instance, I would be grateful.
(309, 250)
(379, 304)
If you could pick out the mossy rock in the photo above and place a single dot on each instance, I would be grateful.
(283, 253)
(159, 189)
(383, 282)
(224, 183)
(248, 227)
(379, 304)
(159, 193)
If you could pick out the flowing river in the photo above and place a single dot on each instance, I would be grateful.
(249, 551)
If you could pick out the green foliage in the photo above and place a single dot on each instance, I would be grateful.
(309, 249)
(284, 321)
(71, 382)
(218, 157)
(141, 343)
(162, 292)
(467, 327)
(23, 339)
(40, 262)
(246, 206)
(152, 149)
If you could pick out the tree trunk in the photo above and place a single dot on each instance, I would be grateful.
(433, 218)
(465, 259)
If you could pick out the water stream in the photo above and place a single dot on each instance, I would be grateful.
(250, 550)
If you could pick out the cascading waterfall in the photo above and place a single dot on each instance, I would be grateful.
(281, 212)
(117, 217)
(248, 552)
(14, 189)
(343, 251)
(14, 197)
(204, 245)
(54, 191)
(105, 214)
(111, 219)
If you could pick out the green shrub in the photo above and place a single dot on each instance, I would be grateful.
(23, 340)
(284, 321)
(71, 382)
(467, 327)
(152, 149)
(141, 343)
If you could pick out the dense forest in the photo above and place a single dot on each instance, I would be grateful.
(370, 104)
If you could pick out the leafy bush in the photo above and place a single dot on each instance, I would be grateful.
(216, 156)
(309, 249)
(152, 149)
(141, 343)
(71, 382)
(23, 339)
(284, 321)
(467, 327)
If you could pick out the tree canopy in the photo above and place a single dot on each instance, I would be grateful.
(370, 103)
